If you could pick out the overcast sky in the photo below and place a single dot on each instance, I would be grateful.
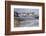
(27, 10)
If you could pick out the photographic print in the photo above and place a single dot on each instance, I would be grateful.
(26, 17)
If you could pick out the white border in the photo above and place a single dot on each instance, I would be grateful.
(25, 28)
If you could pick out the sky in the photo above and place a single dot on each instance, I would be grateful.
(26, 10)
